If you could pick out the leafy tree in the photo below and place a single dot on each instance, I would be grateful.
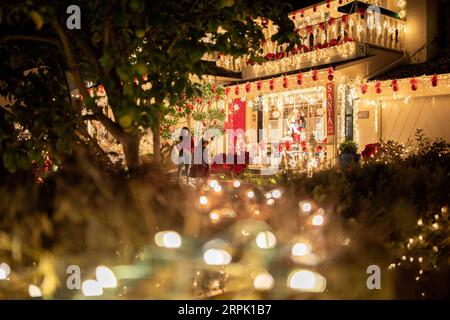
(144, 53)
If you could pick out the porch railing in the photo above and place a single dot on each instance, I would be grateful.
(379, 30)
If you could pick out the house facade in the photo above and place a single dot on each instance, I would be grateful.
(364, 72)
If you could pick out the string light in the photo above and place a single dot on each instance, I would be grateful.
(266, 240)
(263, 281)
(34, 291)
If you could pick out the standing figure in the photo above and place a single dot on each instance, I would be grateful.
(200, 169)
(185, 148)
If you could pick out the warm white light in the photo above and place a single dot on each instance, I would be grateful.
(168, 239)
(213, 183)
(214, 216)
(306, 281)
(301, 249)
(216, 257)
(105, 277)
(268, 195)
(3, 275)
(266, 240)
(250, 194)
(91, 288)
(218, 188)
(34, 291)
(276, 194)
(270, 202)
(236, 183)
(203, 200)
(306, 207)
(5, 271)
(317, 220)
(263, 281)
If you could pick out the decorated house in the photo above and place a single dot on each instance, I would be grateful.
(366, 71)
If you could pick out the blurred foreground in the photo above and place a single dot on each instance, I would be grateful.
(278, 237)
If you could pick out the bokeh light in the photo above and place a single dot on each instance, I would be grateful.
(105, 277)
(263, 281)
(306, 281)
(216, 257)
(266, 240)
(91, 288)
(168, 239)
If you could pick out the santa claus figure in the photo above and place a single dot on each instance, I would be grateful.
(297, 125)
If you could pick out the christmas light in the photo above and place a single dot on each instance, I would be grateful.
(266, 240)
(34, 291)
(5, 271)
(105, 277)
(91, 288)
(317, 220)
(168, 239)
(203, 200)
(216, 257)
(276, 194)
(263, 281)
(301, 249)
(305, 206)
(236, 183)
(306, 281)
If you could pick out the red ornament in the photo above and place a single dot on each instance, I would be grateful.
(271, 84)
(378, 88)
(361, 12)
(285, 82)
(364, 88)
(345, 18)
(302, 13)
(315, 75)
(315, 8)
(259, 85)
(414, 84)
(328, 4)
(299, 79)
(394, 85)
(331, 21)
(434, 81)
(248, 87)
(322, 26)
(214, 88)
(236, 90)
(330, 73)
(227, 91)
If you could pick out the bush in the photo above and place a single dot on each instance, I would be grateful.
(348, 147)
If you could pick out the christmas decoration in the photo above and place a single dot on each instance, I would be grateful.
(434, 80)
(299, 78)
(330, 73)
(272, 84)
(248, 87)
(285, 82)
(259, 85)
(394, 85)
(414, 84)
(378, 88)
(364, 88)
(236, 90)
(315, 75)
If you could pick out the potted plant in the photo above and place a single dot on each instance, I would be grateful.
(348, 153)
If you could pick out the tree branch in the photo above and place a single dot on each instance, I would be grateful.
(30, 37)
(70, 58)
(110, 125)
